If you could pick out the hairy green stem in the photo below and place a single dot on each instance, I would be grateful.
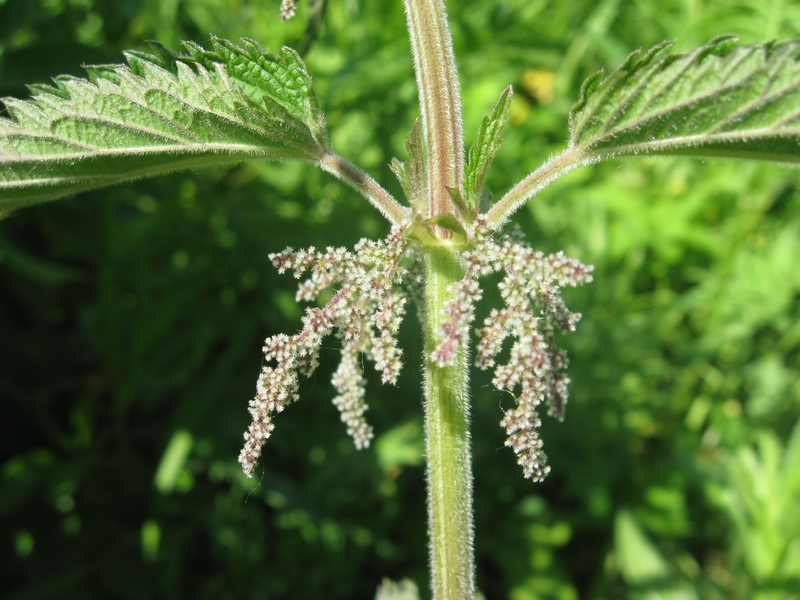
(440, 101)
(447, 439)
(449, 461)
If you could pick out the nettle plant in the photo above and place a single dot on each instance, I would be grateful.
(229, 102)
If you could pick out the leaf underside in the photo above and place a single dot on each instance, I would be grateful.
(716, 101)
(158, 113)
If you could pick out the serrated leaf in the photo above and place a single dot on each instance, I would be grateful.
(718, 100)
(274, 78)
(484, 149)
(411, 174)
(158, 113)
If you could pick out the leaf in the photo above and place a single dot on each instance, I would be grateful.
(277, 79)
(644, 568)
(718, 101)
(411, 174)
(757, 491)
(484, 149)
(448, 221)
(424, 231)
(159, 113)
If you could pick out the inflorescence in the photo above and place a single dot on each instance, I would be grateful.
(365, 310)
(534, 309)
(367, 305)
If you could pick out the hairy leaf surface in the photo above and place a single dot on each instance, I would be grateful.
(482, 152)
(718, 100)
(158, 113)
(411, 174)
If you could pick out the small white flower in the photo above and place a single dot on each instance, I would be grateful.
(288, 8)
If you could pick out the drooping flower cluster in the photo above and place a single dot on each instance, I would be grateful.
(366, 308)
(365, 311)
(534, 309)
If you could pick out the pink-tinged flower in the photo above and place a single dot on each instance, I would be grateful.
(366, 309)
(365, 312)
(533, 310)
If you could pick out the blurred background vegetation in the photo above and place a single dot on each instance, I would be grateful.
(132, 319)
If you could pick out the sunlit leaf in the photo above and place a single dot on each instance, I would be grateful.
(718, 100)
(159, 113)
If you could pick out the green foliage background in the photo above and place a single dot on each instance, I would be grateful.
(132, 318)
